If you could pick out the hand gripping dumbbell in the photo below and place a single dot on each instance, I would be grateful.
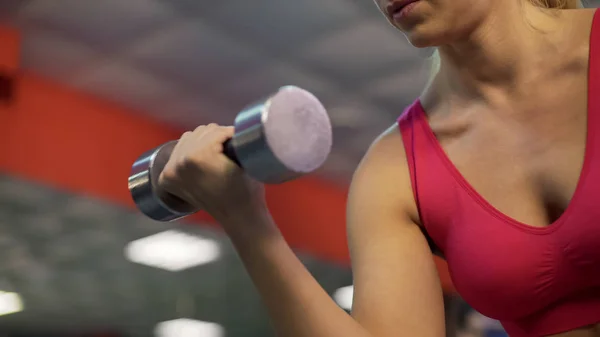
(280, 138)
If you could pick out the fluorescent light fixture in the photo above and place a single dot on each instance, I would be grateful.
(172, 250)
(188, 328)
(344, 296)
(10, 303)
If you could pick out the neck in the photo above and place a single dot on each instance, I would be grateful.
(498, 57)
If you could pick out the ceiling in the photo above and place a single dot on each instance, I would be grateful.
(65, 255)
(189, 62)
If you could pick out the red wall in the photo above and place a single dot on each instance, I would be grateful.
(9, 50)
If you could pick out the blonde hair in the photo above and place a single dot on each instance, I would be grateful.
(557, 4)
(551, 4)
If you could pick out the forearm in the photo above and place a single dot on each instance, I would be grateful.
(297, 304)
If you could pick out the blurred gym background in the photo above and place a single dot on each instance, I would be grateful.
(86, 86)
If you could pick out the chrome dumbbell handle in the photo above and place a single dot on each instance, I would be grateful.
(143, 181)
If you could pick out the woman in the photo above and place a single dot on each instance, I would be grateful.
(489, 162)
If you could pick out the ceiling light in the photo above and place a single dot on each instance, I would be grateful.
(344, 296)
(10, 303)
(172, 250)
(188, 328)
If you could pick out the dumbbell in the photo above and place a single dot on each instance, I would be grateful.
(280, 138)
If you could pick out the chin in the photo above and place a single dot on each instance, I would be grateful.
(430, 35)
(420, 40)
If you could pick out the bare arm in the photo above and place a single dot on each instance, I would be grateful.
(397, 292)
(397, 289)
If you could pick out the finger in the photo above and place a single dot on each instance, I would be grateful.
(223, 133)
(181, 143)
(205, 133)
(219, 138)
(199, 129)
(168, 172)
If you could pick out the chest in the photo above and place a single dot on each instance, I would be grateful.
(525, 161)
(522, 226)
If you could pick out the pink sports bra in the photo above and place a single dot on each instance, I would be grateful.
(536, 281)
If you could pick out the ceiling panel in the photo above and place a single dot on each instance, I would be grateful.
(56, 56)
(263, 81)
(194, 54)
(192, 109)
(125, 83)
(8, 8)
(352, 114)
(400, 86)
(107, 25)
(356, 53)
(194, 8)
(283, 27)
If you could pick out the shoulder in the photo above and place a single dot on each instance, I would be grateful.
(388, 141)
(388, 147)
(382, 185)
(385, 154)
(383, 174)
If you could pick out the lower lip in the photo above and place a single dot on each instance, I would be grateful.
(405, 10)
